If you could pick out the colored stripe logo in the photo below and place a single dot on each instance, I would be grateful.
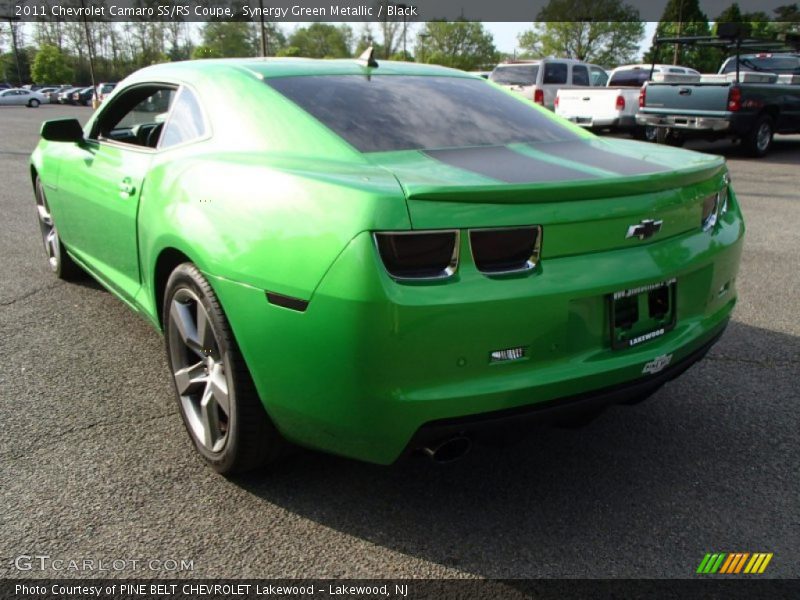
(734, 563)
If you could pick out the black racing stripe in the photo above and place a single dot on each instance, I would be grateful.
(498, 162)
(590, 155)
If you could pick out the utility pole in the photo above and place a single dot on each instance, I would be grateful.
(89, 48)
(676, 53)
(262, 30)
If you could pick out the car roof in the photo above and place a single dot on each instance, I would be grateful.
(270, 67)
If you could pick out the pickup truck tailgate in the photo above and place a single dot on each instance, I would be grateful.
(692, 98)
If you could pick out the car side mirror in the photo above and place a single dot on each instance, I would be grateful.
(62, 130)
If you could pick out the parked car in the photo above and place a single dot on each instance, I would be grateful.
(539, 80)
(84, 96)
(370, 265)
(615, 106)
(66, 95)
(750, 105)
(104, 89)
(22, 97)
(51, 93)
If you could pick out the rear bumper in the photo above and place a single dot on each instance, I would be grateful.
(687, 122)
(560, 408)
(371, 362)
(622, 122)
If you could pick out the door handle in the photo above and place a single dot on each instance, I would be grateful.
(126, 188)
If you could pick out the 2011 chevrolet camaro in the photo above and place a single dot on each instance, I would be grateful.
(370, 259)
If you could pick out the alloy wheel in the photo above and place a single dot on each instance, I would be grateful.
(200, 371)
(763, 136)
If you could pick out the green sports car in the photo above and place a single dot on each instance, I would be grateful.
(371, 259)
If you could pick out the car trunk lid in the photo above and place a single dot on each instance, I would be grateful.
(586, 193)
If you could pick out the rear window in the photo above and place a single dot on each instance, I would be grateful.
(515, 75)
(630, 78)
(394, 112)
(771, 64)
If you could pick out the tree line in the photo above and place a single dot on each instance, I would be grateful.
(59, 52)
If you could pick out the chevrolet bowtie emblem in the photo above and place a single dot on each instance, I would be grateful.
(647, 228)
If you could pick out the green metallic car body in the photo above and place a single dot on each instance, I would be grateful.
(354, 361)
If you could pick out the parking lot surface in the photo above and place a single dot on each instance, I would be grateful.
(94, 461)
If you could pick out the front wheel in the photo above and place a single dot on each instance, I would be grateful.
(759, 140)
(216, 396)
(34, 103)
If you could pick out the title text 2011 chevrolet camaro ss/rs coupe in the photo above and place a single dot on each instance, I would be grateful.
(369, 260)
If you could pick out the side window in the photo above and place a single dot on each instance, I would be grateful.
(580, 75)
(136, 117)
(555, 73)
(186, 121)
(599, 76)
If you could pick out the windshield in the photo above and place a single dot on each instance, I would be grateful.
(629, 78)
(771, 64)
(398, 112)
(515, 75)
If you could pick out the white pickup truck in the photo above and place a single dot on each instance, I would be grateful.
(615, 106)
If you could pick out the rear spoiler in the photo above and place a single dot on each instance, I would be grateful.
(732, 37)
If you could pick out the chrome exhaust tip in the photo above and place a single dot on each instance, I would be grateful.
(449, 450)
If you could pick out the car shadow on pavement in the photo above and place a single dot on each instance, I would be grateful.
(641, 490)
(785, 150)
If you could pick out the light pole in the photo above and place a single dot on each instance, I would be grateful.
(403, 8)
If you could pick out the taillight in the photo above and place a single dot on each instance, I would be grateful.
(555, 102)
(538, 97)
(419, 255)
(734, 98)
(642, 96)
(505, 250)
(620, 103)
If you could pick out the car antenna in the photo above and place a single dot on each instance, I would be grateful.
(367, 58)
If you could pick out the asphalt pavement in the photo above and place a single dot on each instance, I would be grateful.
(95, 464)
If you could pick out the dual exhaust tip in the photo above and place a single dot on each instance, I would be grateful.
(448, 450)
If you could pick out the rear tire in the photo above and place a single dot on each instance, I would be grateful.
(58, 260)
(758, 141)
(216, 396)
(34, 103)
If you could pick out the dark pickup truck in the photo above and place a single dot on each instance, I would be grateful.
(749, 103)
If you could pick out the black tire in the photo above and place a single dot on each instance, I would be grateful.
(60, 263)
(758, 140)
(251, 439)
(34, 103)
(665, 135)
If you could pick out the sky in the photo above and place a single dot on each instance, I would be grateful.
(505, 35)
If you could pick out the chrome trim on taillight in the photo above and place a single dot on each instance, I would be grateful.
(707, 222)
(446, 273)
(529, 265)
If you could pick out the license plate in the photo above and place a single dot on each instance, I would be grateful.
(641, 314)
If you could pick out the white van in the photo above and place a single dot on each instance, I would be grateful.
(540, 80)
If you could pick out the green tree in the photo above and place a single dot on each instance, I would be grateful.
(787, 19)
(322, 40)
(50, 66)
(459, 44)
(605, 32)
(759, 21)
(229, 39)
(205, 52)
(684, 18)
